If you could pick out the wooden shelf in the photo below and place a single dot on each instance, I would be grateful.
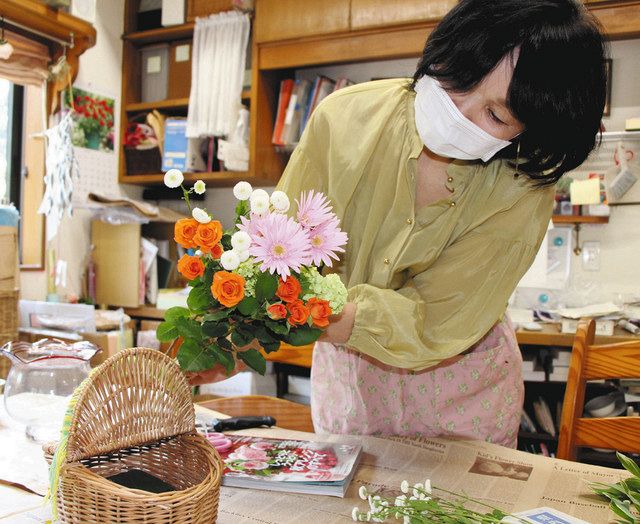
(579, 219)
(172, 103)
(163, 34)
(218, 178)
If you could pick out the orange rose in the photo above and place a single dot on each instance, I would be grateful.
(217, 251)
(290, 290)
(299, 312)
(190, 267)
(277, 311)
(184, 231)
(208, 235)
(227, 288)
(320, 311)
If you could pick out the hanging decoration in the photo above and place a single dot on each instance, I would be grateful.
(6, 49)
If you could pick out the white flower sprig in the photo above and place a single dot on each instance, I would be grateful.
(174, 178)
(417, 505)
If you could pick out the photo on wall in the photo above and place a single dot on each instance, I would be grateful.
(93, 115)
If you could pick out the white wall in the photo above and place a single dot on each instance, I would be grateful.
(100, 71)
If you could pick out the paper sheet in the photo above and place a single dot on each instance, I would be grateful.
(585, 191)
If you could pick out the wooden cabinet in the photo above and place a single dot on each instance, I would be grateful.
(278, 20)
(377, 13)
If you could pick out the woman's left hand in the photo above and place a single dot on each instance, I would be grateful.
(340, 326)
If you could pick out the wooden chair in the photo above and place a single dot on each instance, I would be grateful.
(594, 362)
(288, 415)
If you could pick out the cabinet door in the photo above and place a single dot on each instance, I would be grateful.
(285, 19)
(376, 13)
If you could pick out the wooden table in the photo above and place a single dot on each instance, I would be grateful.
(288, 415)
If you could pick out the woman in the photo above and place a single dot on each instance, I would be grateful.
(445, 185)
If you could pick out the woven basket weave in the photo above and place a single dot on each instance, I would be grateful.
(135, 412)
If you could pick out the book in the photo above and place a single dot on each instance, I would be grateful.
(526, 423)
(297, 106)
(543, 416)
(343, 82)
(286, 88)
(543, 515)
(322, 86)
(295, 466)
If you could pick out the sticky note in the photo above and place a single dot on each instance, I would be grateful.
(585, 191)
(182, 53)
(154, 64)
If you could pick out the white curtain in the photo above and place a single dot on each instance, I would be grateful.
(218, 63)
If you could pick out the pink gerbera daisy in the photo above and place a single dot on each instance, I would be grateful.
(313, 209)
(251, 225)
(326, 240)
(280, 245)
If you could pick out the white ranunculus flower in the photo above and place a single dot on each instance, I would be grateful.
(260, 205)
(259, 193)
(242, 190)
(244, 255)
(201, 215)
(240, 241)
(280, 201)
(173, 178)
(230, 260)
(199, 187)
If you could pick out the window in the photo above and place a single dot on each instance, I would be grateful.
(11, 106)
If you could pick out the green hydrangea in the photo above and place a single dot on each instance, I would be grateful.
(249, 270)
(329, 288)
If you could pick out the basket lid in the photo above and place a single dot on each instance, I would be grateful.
(137, 396)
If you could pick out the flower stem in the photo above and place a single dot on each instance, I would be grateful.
(186, 197)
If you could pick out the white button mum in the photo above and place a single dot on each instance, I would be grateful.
(241, 241)
(280, 201)
(201, 215)
(173, 178)
(242, 190)
(259, 193)
(199, 187)
(260, 204)
(230, 260)
(244, 255)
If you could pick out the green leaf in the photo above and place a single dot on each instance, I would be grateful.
(276, 327)
(629, 464)
(166, 332)
(270, 347)
(254, 360)
(174, 313)
(193, 357)
(622, 510)
(266, 286)
(225, 343)
(207, 278)
(215, 329)
(199, 298)
(189, 328)
(226, 359)
(262, 334)
(248, 306)
(241, 338)
(216, 315)
(303, 335)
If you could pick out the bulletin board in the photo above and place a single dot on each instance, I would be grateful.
(605, 160)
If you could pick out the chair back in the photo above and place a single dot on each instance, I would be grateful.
(595, 362)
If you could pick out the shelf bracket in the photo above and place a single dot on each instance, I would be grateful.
(577, 250)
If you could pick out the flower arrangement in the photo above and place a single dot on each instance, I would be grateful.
(259, 281)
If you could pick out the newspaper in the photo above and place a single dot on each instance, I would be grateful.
(510, 480)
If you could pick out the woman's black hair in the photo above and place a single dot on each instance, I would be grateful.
(559, 83)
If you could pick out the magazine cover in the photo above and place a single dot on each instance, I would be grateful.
(310, 467)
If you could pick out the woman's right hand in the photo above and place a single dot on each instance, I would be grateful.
(214, 374)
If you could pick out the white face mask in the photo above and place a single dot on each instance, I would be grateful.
(445, 130)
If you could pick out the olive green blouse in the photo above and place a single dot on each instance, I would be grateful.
(431, 283)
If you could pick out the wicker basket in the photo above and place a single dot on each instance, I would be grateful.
(142, 161)
(8, 324)
(135, 412)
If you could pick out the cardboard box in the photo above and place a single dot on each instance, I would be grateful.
(9, 269)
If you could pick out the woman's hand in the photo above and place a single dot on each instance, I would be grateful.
(215, 374)
(219, 372)
(340, 326)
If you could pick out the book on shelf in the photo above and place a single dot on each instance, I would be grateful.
(343, 82)
(322, 87)
(295, 110)
(543, 416)
(526, 423)
(286, 88)
(295, 466)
